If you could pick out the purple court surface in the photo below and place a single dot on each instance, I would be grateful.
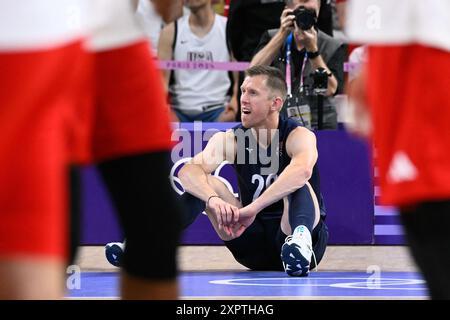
(270, 285)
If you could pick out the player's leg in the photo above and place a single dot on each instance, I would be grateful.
(75, 212)
(320, 236)
(250, 249)
(426, 231)
(254, 249)
(139, 186)
(132, 141)
(31, 278)
(34, 188)
(300, 208)
(301, 214)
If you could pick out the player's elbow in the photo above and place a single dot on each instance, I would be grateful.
(185, 173)
(307, 173)
(303, 174)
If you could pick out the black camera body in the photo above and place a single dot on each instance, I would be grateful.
(320, 81)
(305, 18)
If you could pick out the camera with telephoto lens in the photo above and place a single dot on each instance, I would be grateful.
(320, 81)
(305, 18)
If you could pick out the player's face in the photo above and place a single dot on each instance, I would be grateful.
(256, 100)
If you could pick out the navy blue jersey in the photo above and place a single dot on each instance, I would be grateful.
(257, 167)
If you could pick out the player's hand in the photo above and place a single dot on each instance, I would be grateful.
(225, 214)
(246, 217)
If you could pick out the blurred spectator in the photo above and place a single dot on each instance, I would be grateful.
(152, 22)
(255, 17)
(219, 6)
(325, 17)
(340, 12)
(199, 95)
(247, 21)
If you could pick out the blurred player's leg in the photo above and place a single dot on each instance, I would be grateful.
(131, 143)
(31, 278)
(426, 231)
(149, 217)
(36, 111)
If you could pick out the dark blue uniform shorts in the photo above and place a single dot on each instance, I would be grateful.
(259, 247)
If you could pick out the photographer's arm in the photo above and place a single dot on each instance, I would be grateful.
(332, 81)
(165, 50)
(308, 38)
(336, 65)
(267, 54)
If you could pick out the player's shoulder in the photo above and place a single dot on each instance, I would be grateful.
(223, 142)
(222, 136)
(301, 131)
(299, 135)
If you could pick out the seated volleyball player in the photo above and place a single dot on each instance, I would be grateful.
(278, 213)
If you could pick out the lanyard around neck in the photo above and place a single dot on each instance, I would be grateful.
(288, 66)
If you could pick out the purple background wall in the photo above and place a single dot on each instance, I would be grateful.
(345, 181)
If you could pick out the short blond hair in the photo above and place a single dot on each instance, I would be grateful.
(275, 79)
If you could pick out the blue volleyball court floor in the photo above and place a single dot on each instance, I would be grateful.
(270, 285)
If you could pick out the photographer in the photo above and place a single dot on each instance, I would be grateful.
(300, 50)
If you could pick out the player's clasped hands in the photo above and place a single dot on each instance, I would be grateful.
(230, 219)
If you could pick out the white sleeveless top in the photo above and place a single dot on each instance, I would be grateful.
(197, 91)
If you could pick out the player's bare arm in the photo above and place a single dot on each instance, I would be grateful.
(194, 177)
(165, 51)
(169, 10)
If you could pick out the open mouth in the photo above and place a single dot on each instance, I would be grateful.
(246, 111)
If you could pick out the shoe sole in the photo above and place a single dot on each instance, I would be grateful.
(110, 252)
(291, 256)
